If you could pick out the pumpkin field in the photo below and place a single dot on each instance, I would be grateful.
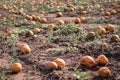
(59, 39)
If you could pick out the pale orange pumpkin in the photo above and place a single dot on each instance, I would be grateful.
(59, 14)
(88, 61)
(82, 19)
(16, 67)
(29, 17)
(91, 35)
(81, 8)
(113, 12)
(102, 31)
(51, 26)
(60, 22)
(102, 59)
(25, 49)
(83, 12)
(77, 20)
(107, 13)
(52, 65)
(36, 30)
(110, 27)
(104, 72)
(43, 20)
(60, 62)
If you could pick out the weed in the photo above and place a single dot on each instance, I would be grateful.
(79, 74)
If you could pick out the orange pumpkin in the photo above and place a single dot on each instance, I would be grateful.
(83, 12)
(59, 14)
(113, 12)
(52, 65)
(60, 22)
(102, 59)
(43, 20)
(77, 20)
(81, 8)
(60, 62)
(36, 30)
(110, 27)
(25, 49)
(104, 72)
(9, 33)
(102, 31)
(16, 67)
(107, 13)
(88, 61)
(29, 17)
(82, 19)
(51, 26)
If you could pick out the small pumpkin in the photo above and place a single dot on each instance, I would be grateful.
(82, 19)
(110, 27)
(115, 38)
(9, 33)
(52, 65)
(36, 30)
(60, 62)
(60, 22)
(59, 14)
(43, 20)
(113, 12)
(77, 20)
(102, 31)
(91, 35)
(81, 8)
(25, 49)
(83, 12)
(104, 72)
(102, 59)
(88, 61)
(16, 67)
(51, 26)
(107, 13)
(29, 17)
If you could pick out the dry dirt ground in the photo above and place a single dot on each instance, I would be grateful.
(35, 63)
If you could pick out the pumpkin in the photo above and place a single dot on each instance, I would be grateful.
(77, 20)
(102, 59)
(104, 72)
(36, 30)
(113, 12)
(110, 27)
(60, 22)
(59, 14)
(102, 31)
(51, 26)
(9, 33)
(107, 13)
(29, 17)
(87, 61)
(52, 65)
(91, 35)
(60, 62)
(43, 20)
(115, 38)
(81, 8)
(16, 67)
(25, 49)
(83, 12)
(82, 19)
